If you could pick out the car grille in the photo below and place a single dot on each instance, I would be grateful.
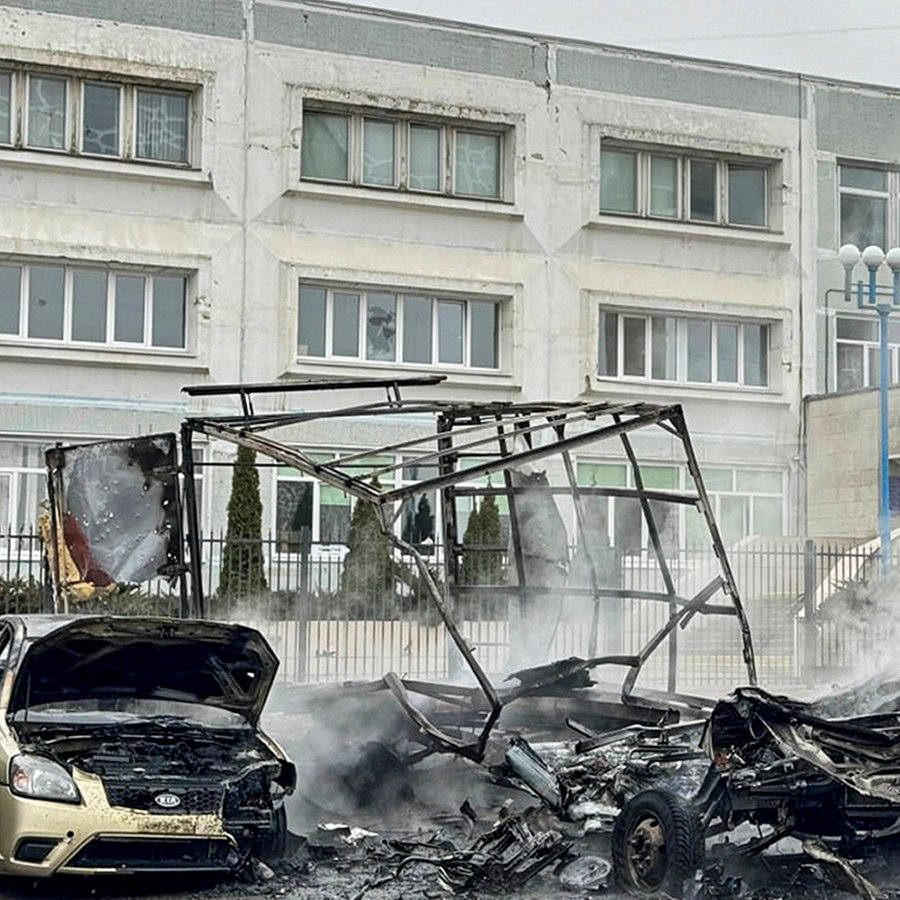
(155, 854)
(194, 799)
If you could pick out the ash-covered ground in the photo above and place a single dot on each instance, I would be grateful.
(364, 828)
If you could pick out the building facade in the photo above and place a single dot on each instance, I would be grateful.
(275, 190)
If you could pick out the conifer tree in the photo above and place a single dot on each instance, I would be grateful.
(242, 573)
(369, 565)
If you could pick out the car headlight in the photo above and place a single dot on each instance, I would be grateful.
(37, 776)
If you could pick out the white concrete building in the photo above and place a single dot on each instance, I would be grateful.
(263, 190)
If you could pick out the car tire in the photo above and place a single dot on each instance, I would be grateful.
(657, 843)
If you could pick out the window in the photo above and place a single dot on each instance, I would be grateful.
(5, 107)
(92, 305)
(403, 153)
(866, 196)
(626, 527)
(683, 349)
(383, 326)
(311, 511)
(665, 185)
(23, 487)
(94, 117)
(858, 352)
(744, 501)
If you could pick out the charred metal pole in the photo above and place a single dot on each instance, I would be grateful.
(653, 532)
(729, 584)
(197, 603)
(54, 493)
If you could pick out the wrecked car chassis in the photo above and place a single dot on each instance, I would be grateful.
(784, 767)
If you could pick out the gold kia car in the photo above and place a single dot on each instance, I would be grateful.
(133, 745)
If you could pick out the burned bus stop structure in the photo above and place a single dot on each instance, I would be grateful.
(524, 455)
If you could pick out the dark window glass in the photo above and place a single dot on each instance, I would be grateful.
(5, 107)
(699, 350)
(664, 186)
(324, 147)
(618, 181)
(162, 126)
(863, 178)
(378, 152)
(89, 289)
(47, 112)
(608, 345)
(484, 334)
(168, 311)
(381, 326)
(293, 514)
(46, 303)
(664, 348)
(424, 158)
(863, 220)
(417, 329)
(10, 298)
(747, 195)
(477, 171)
(450, 331)
(727, 352)
(850, 374)
(756, 355)
(627, 529)
(635, 349)
(855, 329)
(345, 337)
(311, 326)
(100, 131)
(129, 309)
(703, 190)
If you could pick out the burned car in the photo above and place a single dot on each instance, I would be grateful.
(825, 773)
(133, 744)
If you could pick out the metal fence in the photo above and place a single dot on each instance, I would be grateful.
(817, 611)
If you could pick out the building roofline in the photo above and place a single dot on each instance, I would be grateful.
(539, 37)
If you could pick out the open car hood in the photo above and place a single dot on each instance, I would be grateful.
(230, 667)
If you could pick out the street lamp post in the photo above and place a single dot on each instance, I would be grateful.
(872, 258)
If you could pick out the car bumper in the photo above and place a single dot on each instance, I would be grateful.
(42, 838)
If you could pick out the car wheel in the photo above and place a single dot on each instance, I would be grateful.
(657, 842)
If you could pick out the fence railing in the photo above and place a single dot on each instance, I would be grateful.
(815, 609)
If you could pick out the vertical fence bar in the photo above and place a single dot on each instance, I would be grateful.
(810, 631)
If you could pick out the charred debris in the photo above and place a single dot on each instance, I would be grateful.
(665, 777)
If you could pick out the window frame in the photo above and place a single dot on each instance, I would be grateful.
(448, 129)
(870, 350)
(25, 127)
(686, 159)
(149, 274)
(398, 476)
(10, 141)
(890, 194)
(683, 514)
(680, 352)
(76, 84)
(401, 297)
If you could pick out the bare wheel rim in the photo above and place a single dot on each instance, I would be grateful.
(646, 853)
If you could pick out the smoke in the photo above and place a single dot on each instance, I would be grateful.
(863, 616)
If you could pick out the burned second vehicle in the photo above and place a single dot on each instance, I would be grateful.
(133, 744)
(761, 768)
